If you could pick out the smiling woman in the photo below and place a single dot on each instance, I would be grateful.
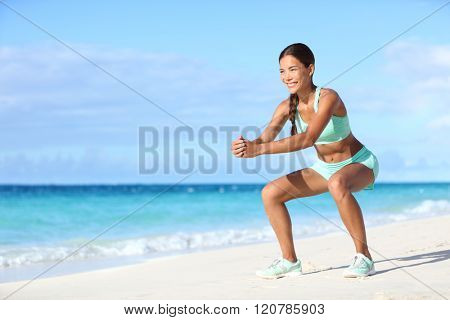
(344, 164)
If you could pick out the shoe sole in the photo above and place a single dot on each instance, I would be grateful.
(289, 274)
(354, 275)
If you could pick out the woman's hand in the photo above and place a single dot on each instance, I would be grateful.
(238, 147)
(252, 149)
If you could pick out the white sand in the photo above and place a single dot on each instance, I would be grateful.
(420, 248)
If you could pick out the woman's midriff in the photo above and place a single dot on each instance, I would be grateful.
(338, 151)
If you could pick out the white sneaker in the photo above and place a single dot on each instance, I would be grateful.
(361, 266)
(281, 268)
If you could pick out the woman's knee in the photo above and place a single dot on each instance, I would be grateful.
(337, 186)
(271, 193)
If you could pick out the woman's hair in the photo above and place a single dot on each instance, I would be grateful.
(303, 54)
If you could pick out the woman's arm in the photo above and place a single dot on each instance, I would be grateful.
(269, 134)
(290, 144)
(328, 103)
(279, 118)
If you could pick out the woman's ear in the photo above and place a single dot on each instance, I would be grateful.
(311, 70)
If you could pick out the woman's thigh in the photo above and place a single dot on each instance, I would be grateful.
(298, 184)
(353, 177)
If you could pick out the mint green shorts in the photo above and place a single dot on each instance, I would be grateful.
(364, 156)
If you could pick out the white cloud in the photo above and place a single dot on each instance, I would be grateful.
(54, 76)
(417, 59)
(424, 69)
(417, 79)
(440, 122)
(48, 95)
(94, 165)
(396, 167)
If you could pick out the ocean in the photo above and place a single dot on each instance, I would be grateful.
(96, 226)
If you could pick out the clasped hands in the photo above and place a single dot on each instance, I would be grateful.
(243, 148)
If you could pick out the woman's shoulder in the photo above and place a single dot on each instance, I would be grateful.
(328, 92)
(283, 106)
(332, 97)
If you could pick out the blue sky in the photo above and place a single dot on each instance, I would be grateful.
(213, 64)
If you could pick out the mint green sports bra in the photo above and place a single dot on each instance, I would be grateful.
(338, 128)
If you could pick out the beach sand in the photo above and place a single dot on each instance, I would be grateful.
(419, 268)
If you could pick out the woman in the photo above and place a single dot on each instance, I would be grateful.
(319, 118)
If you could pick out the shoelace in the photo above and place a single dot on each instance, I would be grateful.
(352, 263)
(361, 263)
(358, 262)
(275, 262)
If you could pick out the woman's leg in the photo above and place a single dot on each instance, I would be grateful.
(351, 178)
(301, 183)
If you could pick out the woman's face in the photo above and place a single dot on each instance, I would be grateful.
(294, 74)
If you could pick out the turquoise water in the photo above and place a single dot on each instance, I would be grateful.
(42, 224)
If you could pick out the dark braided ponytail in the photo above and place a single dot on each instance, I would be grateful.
(303, 54)
(293, 103)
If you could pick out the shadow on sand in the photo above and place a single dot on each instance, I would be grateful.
(419, 259)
